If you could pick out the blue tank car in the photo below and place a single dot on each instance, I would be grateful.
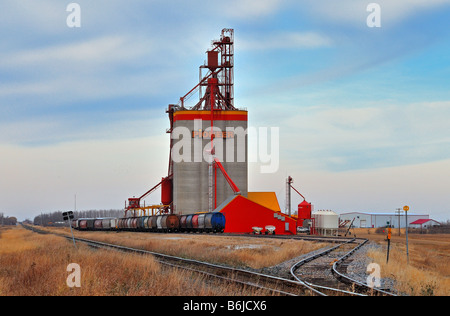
(215, 222)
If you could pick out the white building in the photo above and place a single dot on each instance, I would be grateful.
(424, 223)
(374, 220)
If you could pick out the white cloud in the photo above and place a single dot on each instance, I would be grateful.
(250, 8)
(284, 40)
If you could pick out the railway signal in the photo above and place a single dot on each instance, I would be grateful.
(68, 216)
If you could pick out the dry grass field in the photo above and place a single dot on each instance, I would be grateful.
(35, 264)
(428, 271)
(230, 250)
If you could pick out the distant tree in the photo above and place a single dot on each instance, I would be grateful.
(11, 221)
(56, 218)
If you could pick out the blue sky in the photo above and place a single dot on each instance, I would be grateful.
(363, 112)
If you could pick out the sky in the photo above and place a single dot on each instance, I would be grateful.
(363, 112)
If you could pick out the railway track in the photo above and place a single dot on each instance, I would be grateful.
(303, 285)
(271, 284)
(324, 273)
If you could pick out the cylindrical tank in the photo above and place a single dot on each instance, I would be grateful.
(164, 222)
(98, 224)
(166, 191)
(183, 222)
(195, 222)
(217, 222)
(134, 223)
(159, 222)
(147, 221)
(326, 222)
(201, 221)
(128, 224)
(154, 223)
(82, 224)
(304, 210)
(172, 222)
(189, 222)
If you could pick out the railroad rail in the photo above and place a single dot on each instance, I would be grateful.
(268, 283)
(332, 281)
(271, 284)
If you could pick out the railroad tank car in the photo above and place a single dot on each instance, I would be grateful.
(201, 222)
(189, 223)
(172, 223)
(183, 227)
(90, 223)
(98, 224)
(154, 223)
(159, 223)
(215, 222)
(147, 220)
(195, 222)
(106, 223)
(82, 224)
(205, 222)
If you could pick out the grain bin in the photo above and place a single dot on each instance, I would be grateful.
(327, 222)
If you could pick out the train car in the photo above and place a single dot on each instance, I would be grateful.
(106, 224)
(98, 224)
(201, 222)
(205, 222)
(189, 223)
(172, 223)
(113, 223)
(145, 222)
(183, 227)
(215, 222)
(195, 222)
(154, 223)
(90, 223)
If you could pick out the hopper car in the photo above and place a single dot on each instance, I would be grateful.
(169, 223)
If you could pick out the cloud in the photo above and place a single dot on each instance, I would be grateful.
(355, 11)
(248, 9)
(368, 137)
(283, 41)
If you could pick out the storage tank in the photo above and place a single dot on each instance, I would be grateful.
(327, 222)
(304, 210)
(166, 191)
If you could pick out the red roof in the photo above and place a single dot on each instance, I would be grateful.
(420, 221)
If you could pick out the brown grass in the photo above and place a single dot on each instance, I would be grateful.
(428, 271)
(32, 264)
(235, 251)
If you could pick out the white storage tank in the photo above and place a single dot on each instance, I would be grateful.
(327, 222)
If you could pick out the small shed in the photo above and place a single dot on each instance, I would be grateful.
(424, 223)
